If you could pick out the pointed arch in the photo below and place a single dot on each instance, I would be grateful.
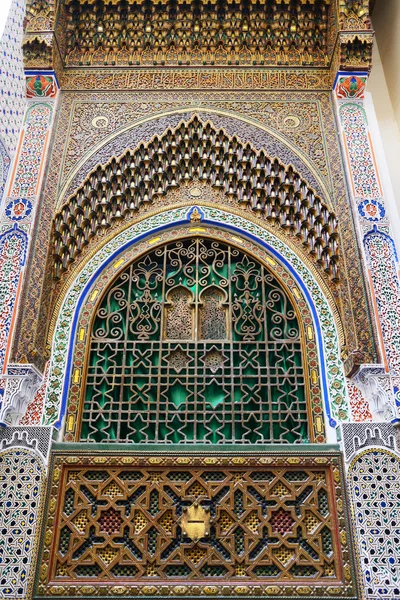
(213, 314)
(112, 256)
(179, 314)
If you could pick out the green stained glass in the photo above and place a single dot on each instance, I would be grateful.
(195, 342)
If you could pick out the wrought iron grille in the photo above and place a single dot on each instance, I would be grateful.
(195, 342)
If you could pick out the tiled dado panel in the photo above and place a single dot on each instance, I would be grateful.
(216, 524)
(21, 487)
(12, 77)
(373, 479)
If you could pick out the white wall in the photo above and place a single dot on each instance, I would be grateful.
(12, 78)
(383, 86)
(4, 10)
(386, 140)
(386, 22)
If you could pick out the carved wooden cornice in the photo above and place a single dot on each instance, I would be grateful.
(311, 34)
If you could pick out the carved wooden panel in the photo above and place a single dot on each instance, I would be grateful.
(158, 522)
(215, 32)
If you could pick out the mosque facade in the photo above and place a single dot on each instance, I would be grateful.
(200, 304)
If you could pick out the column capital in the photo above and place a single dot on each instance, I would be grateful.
(41, 84)
(23, 381)
(350, 85)
(377, 386)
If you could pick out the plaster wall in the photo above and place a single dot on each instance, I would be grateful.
(4, 10)
(385, 133)
(386, 22)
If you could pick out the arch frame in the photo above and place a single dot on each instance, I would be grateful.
(84, 285)
(115, 190)
(351, 300)
(75, 178)
(186, 195)
(109, 276)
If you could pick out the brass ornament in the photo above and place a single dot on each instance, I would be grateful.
(195, 521)
(195, 215)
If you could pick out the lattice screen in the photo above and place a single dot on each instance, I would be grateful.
(195, 342)
(147, 524)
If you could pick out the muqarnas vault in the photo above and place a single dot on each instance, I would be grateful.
(200, 343)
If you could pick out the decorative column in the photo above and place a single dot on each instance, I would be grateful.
(371, 443)
(379, 384)
(17, 221)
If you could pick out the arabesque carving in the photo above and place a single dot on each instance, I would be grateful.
(354, 14)
(39, 15)
(38, 50)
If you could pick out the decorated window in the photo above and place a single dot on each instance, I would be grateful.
(195, 342)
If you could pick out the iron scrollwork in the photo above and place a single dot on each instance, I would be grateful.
(197, 341)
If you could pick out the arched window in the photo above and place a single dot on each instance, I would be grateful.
(179, 314)
(195, 342)
(213, 315)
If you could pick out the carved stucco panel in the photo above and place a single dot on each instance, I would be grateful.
(322, 168)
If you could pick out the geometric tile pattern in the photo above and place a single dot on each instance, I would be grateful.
(12, 77)
(381, 259)
(13, 247)
(21, 479)
(375, 496)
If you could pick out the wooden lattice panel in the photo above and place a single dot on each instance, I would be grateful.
(129, 524)
(196, 342)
